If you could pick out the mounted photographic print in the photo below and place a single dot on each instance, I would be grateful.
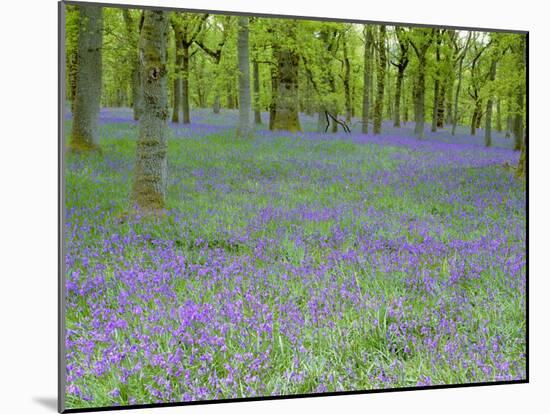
(257, 206)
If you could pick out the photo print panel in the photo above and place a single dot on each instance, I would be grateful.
(257, 207)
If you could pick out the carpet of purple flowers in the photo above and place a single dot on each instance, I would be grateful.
(293, 263)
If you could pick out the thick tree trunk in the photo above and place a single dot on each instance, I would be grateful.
(367, 71)
(286, 112)
(380, 78)
(150, 175)
(245, 110)
(321, 121)
(257, 109)
(85, 130)
(72, 74)
(185, 84)
(517, 129)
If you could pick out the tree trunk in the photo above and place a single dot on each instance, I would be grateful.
(132, 32)
(245, 110)
(176, 100)
(419, 93)
(286, 113)
(380, 78)
(367, 70)
(72, 74)
(274, 92)
(441, 105)
(257, 109)
(177, 79)
(457, 94)
(150, 175)
(397, 97)
(489, 108)
(405, 104)
(498, 125)
(185, 84)
(346, 81)
(517, 129)
(476, 116)
(85, 130)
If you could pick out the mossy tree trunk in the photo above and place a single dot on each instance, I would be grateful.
(347, 81)
(420, 47)
(245, 109)
(150, 174)
(401, 65)
(85, 130)
(132, 31)
(367, 69)
(256, 82)
(178, 81)
(380, 80)
(437, 82)
(367, 72)
(489, 108)
(498, 125)
(287, 102)
(185, 85)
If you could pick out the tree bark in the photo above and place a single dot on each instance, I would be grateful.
(367, 71)
(178, 78)
(132, 31)
(85, 130)
(498, 126)
(380, 78)
(257, 109)
(245, 110)
(185, 85)
(150, 175)
(517, 129)
(287, 102)
(489, 108)
(401, 66)
(419, 88)
(346, 81)
(274, 92)
(436, 80)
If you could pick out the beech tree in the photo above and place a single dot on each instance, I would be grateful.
(85, 129)
(186, 27)
(420, 40)
(380, 79)
(150, 175)
(243, 129)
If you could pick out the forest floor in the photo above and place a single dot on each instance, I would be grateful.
(293, 263)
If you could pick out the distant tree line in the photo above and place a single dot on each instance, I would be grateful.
(162, 64)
